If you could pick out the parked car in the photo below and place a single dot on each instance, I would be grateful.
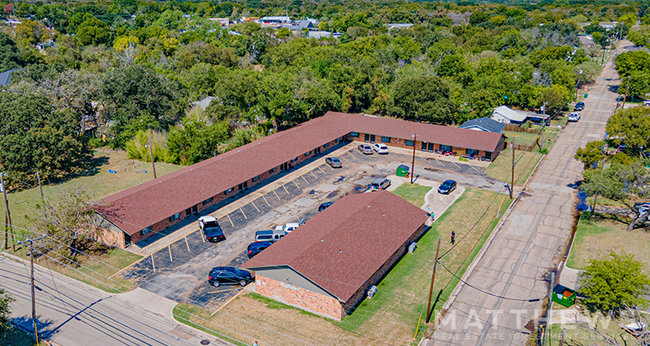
(380, 148)
(211, 229)
(365, 148)
(324, 206)
(270, 236)
(574, 117)
(288, 227)
(380, 184)
(334, 162)
(257, 247)
(579, 106)
(229, 276)
(447, 187)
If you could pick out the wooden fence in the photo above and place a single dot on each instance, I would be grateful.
(517, 128)
(523, 147)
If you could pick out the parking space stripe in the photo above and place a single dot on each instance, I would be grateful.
(152, 262)
(186, 243)
(202, 238)
(294, 182)
(228, 215)
(276, 195)
(267, 202)
(455, 164)
(321, 170)
(312, 173)
(285, 189)
(170, 253)
(242, 212)
(258, 209)
(303, 178)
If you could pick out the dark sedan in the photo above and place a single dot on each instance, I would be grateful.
(229, 276)
(447, 187)
(257, 247)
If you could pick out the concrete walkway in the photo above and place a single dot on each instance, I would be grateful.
(530, 242)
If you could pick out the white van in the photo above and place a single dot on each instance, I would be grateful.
(288, 227)
(271, 236)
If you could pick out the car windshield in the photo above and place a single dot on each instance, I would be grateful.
(236, 271)
(213, 230)
(447, 184)
(335, 160)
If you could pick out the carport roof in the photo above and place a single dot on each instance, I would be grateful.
(146, 204)
(345, 245)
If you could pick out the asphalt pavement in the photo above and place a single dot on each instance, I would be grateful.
(510, 276)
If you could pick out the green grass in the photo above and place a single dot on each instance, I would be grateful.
(412, 193)
(526, 161)
(601, 233)
(15, 337)
(98, 185)
(522, 138)
(189, 314)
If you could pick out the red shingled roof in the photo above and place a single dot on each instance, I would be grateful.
(366, 228)
(146, 204)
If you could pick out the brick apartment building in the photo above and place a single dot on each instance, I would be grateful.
(137, 213)
(327, 265)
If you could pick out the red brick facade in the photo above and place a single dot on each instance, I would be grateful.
(299, 297)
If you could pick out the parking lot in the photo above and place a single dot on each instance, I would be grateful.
(179, 271)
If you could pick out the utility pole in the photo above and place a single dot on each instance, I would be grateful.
(153, 164)
(8, 223)
(547, 330)
(433, 278)
(627, 88)
(415, 136)
(512, 184)
(30, 243)
(541, 145)
(38, 176)
(562, 337)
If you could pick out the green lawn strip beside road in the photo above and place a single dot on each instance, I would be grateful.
(89, 269)
(393, 313)
(98, 183)
(526, 161)
(412, 193)
(523, 138)
(597, 235)
(188, 314)
(15, 337)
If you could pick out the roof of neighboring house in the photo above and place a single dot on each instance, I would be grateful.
(203, 104)
(148, 203)
(319, 34)
(485, 124)
(340, 248)
(510, 114)
(6, 76)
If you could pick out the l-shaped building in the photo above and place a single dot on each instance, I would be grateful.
(136, 213)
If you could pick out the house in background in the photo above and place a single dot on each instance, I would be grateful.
(483, 124)
(327, 265)
(505, 115)
(5, 77)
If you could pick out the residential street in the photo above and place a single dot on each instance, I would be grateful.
(515, 263)
(71, 313)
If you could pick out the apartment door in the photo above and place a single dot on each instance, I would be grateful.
(366, 137)
(429, 147)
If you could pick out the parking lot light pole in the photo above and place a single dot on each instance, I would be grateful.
(415, 136)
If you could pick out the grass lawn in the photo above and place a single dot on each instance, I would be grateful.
(392, 316)
(523, 138)
(16, 337)
(99, 185)
(602, 233)
(501, 168)
(89, 269)
(413, 194)
(575, 335)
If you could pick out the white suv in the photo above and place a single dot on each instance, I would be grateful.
(574, 117)
(380, 148)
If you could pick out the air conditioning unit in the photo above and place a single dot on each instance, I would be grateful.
(412, 247)
(372, 291)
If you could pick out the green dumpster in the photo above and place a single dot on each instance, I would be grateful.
(564, 296)
(402, 171)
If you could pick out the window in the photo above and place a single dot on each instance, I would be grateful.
(208, 200)
(326, 145)
(272, 170)
(354, 134)
(308, 153)
(471, 152)
(229, 190)
(256, 178)
(147, 230)
(409, 143)
(175, 216)
(445, 148)
(294, 159)
(385, 139)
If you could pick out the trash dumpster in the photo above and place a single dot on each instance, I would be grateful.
(564, 296)
(402, 171)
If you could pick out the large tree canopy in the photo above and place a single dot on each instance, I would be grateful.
(9, 55)
(424, 98)
(37, 137)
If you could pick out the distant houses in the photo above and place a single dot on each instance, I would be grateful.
(505, 115)
(483, 124)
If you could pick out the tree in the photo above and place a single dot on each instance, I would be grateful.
(283, 33)
(639, 84)
(613, 282)
(602, 182)
(5, 301)
(556, 97)
(66, 219)
(9, 55)
(196, 141)
(591, 154)
(37, 137)
(423, 97)
(630, 127)
(93, 31)
(638, 60)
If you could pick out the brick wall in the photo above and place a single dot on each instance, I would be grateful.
(394, 258)
(106, 236)
(299, 297)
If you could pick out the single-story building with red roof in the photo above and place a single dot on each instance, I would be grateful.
(327, 265)
(137, 213)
